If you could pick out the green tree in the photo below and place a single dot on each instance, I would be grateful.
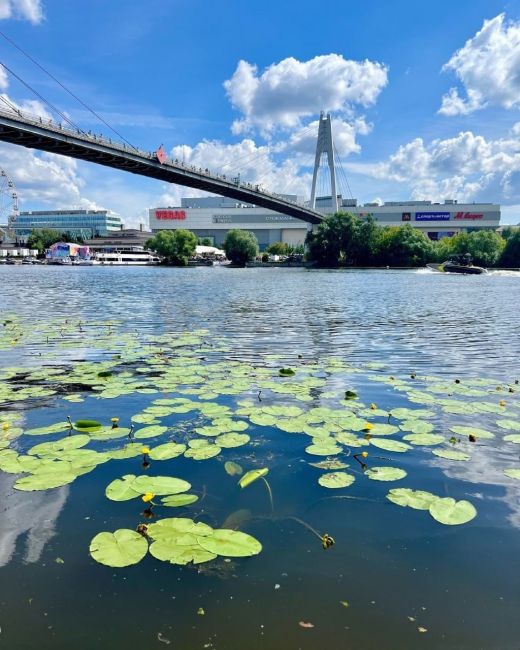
(205, 241)
(343, 239)
(240, 246)
(279, 248)
(484, 246)
(43, 238)
(511, 254)
(176, 246)
(405, 246)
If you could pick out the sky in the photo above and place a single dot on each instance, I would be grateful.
(424, 97)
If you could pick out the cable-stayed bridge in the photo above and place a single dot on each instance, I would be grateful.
(47, 135)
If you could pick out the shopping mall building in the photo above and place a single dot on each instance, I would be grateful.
(214, 216)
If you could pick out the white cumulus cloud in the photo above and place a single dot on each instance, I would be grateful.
(30, 10)
(287, 91)
(488, 66)
(467, 167)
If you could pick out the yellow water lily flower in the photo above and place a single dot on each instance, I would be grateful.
(145, 450)
(502, 402)
(364, 454)
(147, 497)
(114, 419)
(373, 406)
(368, 426)
(5, 426)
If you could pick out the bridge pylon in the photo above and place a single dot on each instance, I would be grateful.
(324, 144)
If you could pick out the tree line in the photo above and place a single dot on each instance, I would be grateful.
(343, 240)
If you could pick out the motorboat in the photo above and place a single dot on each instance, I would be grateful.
(458, 264)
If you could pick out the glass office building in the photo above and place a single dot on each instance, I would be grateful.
(82, 223)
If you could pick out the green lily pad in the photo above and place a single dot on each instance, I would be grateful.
(385, 473)
(122, 548)
(513, 473)
(509, 424)
(86, 426)
(450, 454)
(59, 446)
(329, 464)
(203, 453)
(416, 499)
(150, 432)
(13, 463)
(177, 500)
(170, 550)
(233, 469)
(390, 445)
(329, 449)
(513, 437)
(424, 438)
(230, 440)
(450, 512)
(251, 476)
(416, 426)
(382, 429)
(167, 451)
(176, 527)
(121, 489)
(46, 478)
(160, 485)
(472, 431)
(109, 433)
(286, 372)
(231, 543)
(59, 427)
(336, 480)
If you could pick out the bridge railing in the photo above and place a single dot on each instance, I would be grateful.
(58, 127)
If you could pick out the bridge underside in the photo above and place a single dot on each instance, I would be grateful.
(99, 151)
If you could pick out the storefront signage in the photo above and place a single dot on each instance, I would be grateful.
(170, 215)
(472, 216)
(432, 216)
(255, 219)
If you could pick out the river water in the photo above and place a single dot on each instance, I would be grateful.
(395, 579)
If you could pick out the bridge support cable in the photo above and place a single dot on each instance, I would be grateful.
(67, 90)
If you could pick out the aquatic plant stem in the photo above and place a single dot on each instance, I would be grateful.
(306, 525)
(269, 491)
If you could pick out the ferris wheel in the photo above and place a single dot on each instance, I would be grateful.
(8, 199)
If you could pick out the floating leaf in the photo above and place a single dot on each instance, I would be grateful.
(121, 489)
(230, 440)
(59, 427)
(286, 372)
(323, 449)
(450, 454)
(474, 431)
(329, 464)
(513, 473)
(509, 424)
(160, 485)
(385, 473)
(233, 469)
(416, 499)
(231, 543)
(513, 437)
(176, 500)
(203, 453)
(87, 425)
(390, 445)
(251, 476)
(167, 451)
(424, 439)
(121, 548)
(170, 550)
(150, 432)
(336, 480)
(450, 512)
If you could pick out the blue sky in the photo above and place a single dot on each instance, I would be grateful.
(425, 97)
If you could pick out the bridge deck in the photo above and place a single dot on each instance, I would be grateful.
(45, 135)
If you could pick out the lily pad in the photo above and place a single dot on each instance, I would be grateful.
(416, 499)
(150, 432)
(513, 437)
(170, 550)
(472, 431)
(121, 489)
(513, 473)
(251, 476)
(450, 512)
(450, 454)
(58, 427)
(177, 500)
(509, 424)
(167, 451)
(160, 485)
(231, 543)
(424, 438)
(390, 445)
(122, 548)
(203, 453)
(230, 440)
(233, 469)
(330, 464)
(336, 480)
(385, 473)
